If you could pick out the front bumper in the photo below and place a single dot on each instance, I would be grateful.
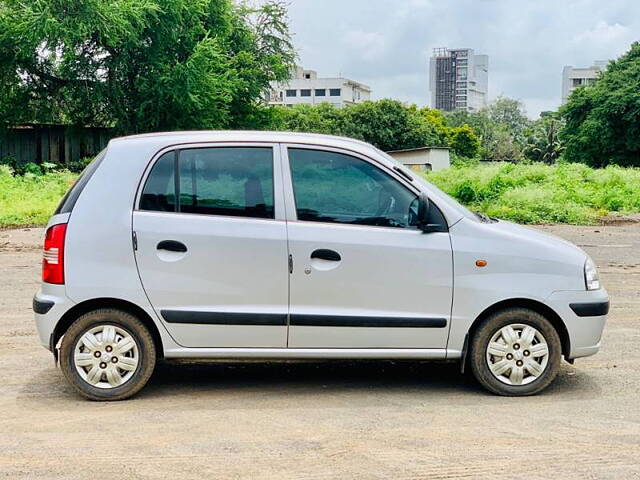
(50, 303)
(584, 314)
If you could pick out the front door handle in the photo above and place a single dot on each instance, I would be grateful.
(326, 254)
(172, 246)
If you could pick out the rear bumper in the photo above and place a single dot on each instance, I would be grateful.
(50, 303)
(584, 314)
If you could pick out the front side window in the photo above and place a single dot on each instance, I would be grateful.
(335, 92)
(305, 92)
(234, 181)
(337, 188)
(291, 93)
(320, 92)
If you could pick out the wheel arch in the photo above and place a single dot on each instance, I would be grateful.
(530, 304)
(81, 308)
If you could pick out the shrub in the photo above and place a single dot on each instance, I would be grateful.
(30, 199)
(78, 166)
(32, 168)
(537, 193)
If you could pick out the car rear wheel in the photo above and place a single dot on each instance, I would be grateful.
(515, 352)
(107, 354)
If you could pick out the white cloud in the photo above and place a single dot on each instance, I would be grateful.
(603, 33)
(369, 45)
(386, 43)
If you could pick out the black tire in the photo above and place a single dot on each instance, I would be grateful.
(490, 326)
(125, 321)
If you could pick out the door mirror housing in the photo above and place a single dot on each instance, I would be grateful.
(425, 217)
(423, 212)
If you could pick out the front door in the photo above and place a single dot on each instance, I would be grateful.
(212, 246)
(363, 275)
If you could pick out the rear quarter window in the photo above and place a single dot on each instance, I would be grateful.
(71, 197)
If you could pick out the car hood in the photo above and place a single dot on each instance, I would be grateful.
(544, 243)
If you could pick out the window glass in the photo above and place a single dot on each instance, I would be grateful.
(321, 92)
(214, 181)
(291, 93)
(338, 188)
(159, 191)
(227, 181)
(71, 197)
(334, 92)
(305, 92)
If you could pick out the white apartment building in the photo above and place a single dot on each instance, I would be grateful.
(307, 88)
(573, 78)
(458, 79)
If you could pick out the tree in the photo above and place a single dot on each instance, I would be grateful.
(510, 113)
(464, 141)
(139, 65)
(436, 118)
(387, 124)
(543, 141)
(390, 125)
(502, 147)
(323, 118)
(603, 119)
(500, 128)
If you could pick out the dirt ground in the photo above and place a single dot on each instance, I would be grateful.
(320, 420)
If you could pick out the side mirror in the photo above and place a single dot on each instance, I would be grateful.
(423, 213)
(428, 214)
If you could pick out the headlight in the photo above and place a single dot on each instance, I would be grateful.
(591, 278)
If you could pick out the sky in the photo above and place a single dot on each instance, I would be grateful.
(386, 44)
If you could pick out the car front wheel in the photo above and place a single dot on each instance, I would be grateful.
(107, 354)
(515, 352)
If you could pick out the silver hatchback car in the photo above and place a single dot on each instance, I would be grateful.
(263, 245)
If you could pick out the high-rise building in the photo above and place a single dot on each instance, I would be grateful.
(573, 78)
(458, 79)
(306, 87)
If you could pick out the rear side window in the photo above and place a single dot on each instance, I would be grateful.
(236, 181)
(159, 191)
(71, 197)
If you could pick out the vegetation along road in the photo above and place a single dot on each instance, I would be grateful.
(535, 193)
(324, 419)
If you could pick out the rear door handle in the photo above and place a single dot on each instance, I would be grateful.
(172, 246)
(326, 254)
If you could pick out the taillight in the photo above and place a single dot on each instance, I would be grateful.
(53, 254)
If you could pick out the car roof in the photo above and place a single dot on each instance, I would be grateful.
(178, 137)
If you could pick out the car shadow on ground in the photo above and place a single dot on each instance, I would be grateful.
(330, 375)
(286, 379)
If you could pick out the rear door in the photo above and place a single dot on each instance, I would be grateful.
(364, 275)
(212, 247)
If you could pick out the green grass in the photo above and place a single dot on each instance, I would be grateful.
(567, 193)
(30, 200)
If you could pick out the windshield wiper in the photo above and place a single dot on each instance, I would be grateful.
(484, 218)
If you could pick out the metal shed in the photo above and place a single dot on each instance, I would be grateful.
(424, 158)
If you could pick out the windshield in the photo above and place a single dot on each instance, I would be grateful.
(429, 187)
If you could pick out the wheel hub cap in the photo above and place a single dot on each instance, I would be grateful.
(106, 356)
(517, 354)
